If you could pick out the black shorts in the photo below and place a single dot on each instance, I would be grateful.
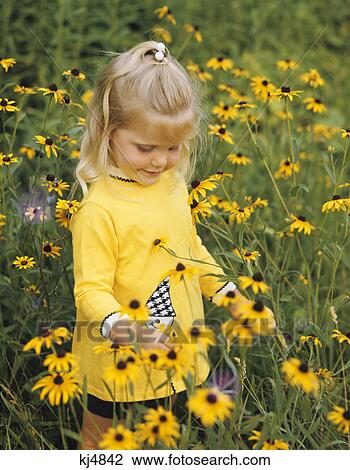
(105, 408)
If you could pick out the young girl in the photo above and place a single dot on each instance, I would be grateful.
(133, 231)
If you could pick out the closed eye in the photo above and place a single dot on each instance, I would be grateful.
(147, 150)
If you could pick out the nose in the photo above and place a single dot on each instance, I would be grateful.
(159, 160)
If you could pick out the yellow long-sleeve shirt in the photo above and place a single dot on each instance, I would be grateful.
(113, 233)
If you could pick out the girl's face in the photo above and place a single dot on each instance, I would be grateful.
(143, 156)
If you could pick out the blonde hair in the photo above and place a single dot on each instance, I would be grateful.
(134, 88)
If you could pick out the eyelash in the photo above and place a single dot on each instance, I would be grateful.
(150, 150)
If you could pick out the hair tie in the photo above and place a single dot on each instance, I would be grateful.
(159, 55)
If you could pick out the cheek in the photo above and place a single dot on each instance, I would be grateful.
(173, 158)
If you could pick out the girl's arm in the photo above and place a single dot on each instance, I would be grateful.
(95, 254)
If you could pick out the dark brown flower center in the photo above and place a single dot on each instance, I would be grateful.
(60, 352)
(118, 437)
(195, 331)
(48, 141)
(153, 357)
(121, 365)
(226, 107)
(258, 306)
(157, 241)
(50, 177)
(302, 218)
(134, 304)
(47, 248)
(180, 267)
(265, 82)
(53, 87)
(318, 101)
(303, 368)
(285, 89)
(3, 102)
(335, 197)
(155, 429)
(58, 380)
(257, 277)
(241, 103)
(211, 398)
(162, 418)
(222, 130)
(346, 415)
(172, 355)
(75, 72)
(195, 183)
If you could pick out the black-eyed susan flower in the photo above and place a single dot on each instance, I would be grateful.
(74, 73)
(70, 206)
(118, 438)
(199, 72)
(262, 87)
(135, 310)
(228, 299)
(28, 151)
(242, 104)
(49, 145)
(24, 90)
(313, 78)
(299, 374)
(182, 272)
(315, 105)
(8, 105)
(24, 262)
(256, 282)
(219, 202)
(163, 34)
(242, 330)
(160, 424)
(217, 63)
(209, 404)
(261, 317)
(341, 418)
(341, 337)
(286, 169)
(301, 224)
(165, 11)
(220, 131)
(151, 358)
(82, 121)
(60, 361)
(122, 372)
(286, 64)
(257, 203)
(240, 72)
(246, 254)
(201, 188)
(49, 249)
(219, 175)
(325, 375)
(345, 133)
(59, 387)
(111, 347)
(312, 338)
(32, 289)
(239, 214)
(158, 243)
(66, 101)
(201, 334)
(7, 62)
(202, 208)
(337, 203)
(286, 92)
(7, 159)
(195, 30)
(224, 111)
(54, 91)
(178, 359)
(239, 158)
(268, 444)
(54, 184)
(46, 339)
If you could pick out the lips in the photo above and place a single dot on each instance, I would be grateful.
(153, 172)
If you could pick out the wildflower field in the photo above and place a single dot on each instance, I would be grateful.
(270, 197)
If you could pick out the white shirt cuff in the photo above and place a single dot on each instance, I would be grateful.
(109, 321)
